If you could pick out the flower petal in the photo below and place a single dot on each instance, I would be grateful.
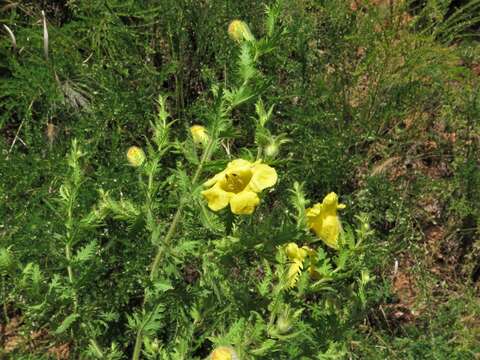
(264, 176)
(212, 181)
(244, 203)
(314, 211)
(217, 198)
(238, 163)
(328, 230)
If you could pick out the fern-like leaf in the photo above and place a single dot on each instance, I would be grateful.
(86, 253)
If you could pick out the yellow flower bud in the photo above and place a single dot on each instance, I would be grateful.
(199, 135)
(239, 31)
(224, 353)
(135, 156)
(295, 253)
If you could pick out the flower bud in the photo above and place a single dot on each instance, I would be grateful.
(271, 150)
(283, 325)
(199, 135)
(292, 250)
(135, 156)
(239, 31)
(294, 253)
(224, 353)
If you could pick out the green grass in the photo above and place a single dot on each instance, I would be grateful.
(379, 104)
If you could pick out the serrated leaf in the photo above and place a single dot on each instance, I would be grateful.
(187, 247)
(265, 347)
(162, 286)
(246, 64)
(209, 220)
(86, 253)
(67, 323)
(239, 95)
(152, 321)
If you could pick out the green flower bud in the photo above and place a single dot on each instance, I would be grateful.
(284, 325)
(271, 150)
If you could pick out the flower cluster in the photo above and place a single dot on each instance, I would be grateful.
(241, 182)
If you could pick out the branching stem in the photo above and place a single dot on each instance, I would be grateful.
(165, 244)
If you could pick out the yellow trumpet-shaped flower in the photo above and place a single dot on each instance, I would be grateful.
(238, 30)
(297, 256)
(322, 218)
(238, 186)
(199, 135)
(135, 156)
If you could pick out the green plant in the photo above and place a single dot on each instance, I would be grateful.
(180, 226)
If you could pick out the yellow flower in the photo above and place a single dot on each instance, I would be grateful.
(238, 30)
(238, 186)
(297, 256)
(135, 156)
(322, 218)
(199, 135)
(294, 253)
(224, 353)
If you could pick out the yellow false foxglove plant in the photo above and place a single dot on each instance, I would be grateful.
(322, 218)
(135, 156)
(238, 186)
(199, 135)
(297, 257)
(224, 353)
(239, 31)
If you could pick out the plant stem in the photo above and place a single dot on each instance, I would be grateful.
(168, 237)
(138, 346)
(68, 255)
(96, 348)
(166, 243)
(5, 312)
(178, 214)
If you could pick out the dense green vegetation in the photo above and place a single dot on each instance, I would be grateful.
(104, 256)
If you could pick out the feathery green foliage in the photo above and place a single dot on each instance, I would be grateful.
(376, 101)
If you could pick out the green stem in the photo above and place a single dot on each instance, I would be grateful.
(97, 349)
(138, 346)
(166, 243)
(259, 152)
(5, 312)
(177, 216)
(68, 255)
